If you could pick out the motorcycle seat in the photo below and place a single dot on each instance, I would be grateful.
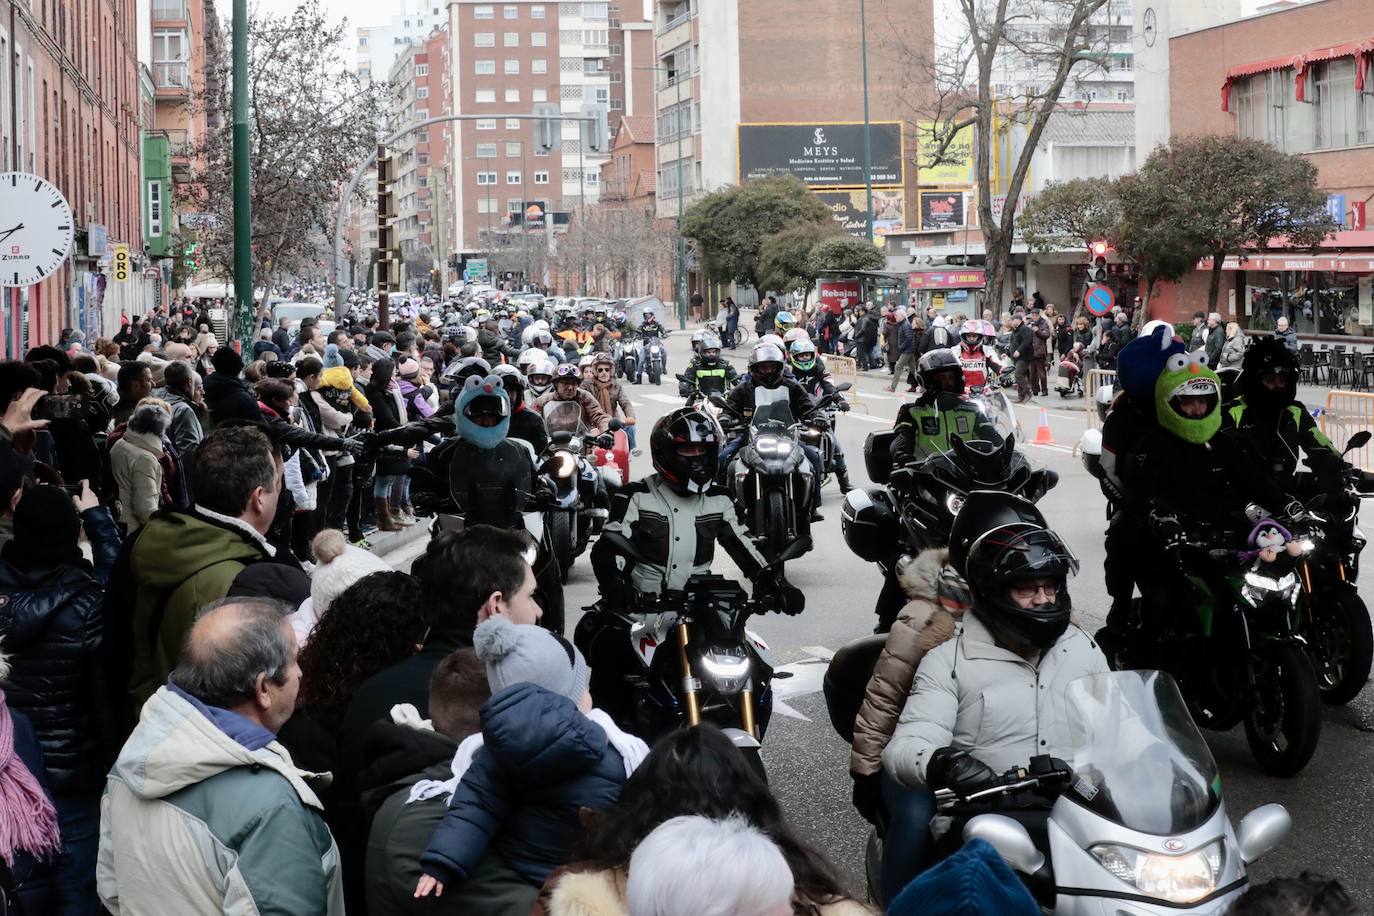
(846, 680)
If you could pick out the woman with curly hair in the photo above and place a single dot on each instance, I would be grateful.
(695, 771)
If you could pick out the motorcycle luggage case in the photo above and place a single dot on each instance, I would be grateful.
(878, 455)
(869, 524)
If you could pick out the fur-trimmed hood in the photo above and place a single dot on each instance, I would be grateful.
(602, 893)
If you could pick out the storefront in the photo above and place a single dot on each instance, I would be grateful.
(1327, 295)
(951, 292)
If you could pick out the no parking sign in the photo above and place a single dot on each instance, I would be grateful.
(1099, 299)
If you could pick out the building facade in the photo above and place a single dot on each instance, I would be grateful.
(411, 22)
(1300, 78)
(71, 103)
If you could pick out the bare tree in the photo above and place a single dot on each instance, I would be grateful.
(954, 89)
(311, 123)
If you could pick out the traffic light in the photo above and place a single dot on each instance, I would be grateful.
(1097, 261)
(546, 126)
(596, 133)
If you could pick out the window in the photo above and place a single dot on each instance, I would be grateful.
(541, 177)
(422, 69)
(1335, 101)
(595, 10)
(513, 124)
(594, 37)
(512, 67)
(601, 94)
(616, 105)
(486, 205)
(616, 76)
(615, 50)
(485, 96)
(539, 95)
(512, 178)
(512, 95)
(515, 204)
(539, 39)
(484, 67)
(486, 178)
(511, 40)
(537, 11)
(486, 124)
(593, 65)
(170, 52)
(484, 39)
(421, 92)
(362, 41)
(484, 12)
(675, 121)
(539, 65)
(513, 150)
(593, 178)
(510, 11)
(486, 151)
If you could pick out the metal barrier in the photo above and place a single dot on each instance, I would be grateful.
(844, 369)
(1345, 414)
(1095, 379)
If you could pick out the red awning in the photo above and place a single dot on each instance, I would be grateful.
(1362, 51)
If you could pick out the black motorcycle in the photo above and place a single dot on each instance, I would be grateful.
(580, 501)
(684, 657)
(822, 439)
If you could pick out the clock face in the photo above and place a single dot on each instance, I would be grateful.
(36, 229)
(1147, 30)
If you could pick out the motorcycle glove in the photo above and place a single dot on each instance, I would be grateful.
(842, 407)
(868, 796)
(951, 768)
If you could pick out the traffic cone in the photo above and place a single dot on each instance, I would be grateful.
(1043, 436)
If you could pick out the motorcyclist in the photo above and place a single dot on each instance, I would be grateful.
(567, 387)
(783, 322)
(991, 697)
(609, 393)
(708, 373)
(809, 370)
(979, 361)
(1277, 427)
(923, 427)
(766, 368)
(538, 371)
(494, 346)
(649, 326)
(525, 422)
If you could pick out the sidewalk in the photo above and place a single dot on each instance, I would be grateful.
(386, 543)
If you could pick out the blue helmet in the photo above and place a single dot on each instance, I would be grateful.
(482, 411)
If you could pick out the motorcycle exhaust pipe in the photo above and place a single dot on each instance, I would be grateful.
(689, 683)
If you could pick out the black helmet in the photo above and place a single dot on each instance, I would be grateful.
(1006, 556)
(941, 372)
(686, 426)
(984, 511)
(766, 363)
(1267, 356)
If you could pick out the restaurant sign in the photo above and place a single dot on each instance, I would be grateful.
(1340, 263)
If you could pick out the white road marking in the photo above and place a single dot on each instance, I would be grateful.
(884, 421)
(807, 678)
(665, 399)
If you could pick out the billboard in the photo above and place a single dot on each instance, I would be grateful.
(822, 155)
(838, 295)
(956, 165)
(942, 210)
(946, 279)
(849, 210)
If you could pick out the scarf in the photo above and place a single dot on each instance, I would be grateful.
(28, 820)
(603, 396)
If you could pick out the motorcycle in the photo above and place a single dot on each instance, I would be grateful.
(578, 483)
(695, 660)
(1133, 823)
(822, 439)
(626, 356)
(653, 359)
(1235, 645)
(769, 478)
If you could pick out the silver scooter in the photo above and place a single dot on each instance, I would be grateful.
(1138, 826)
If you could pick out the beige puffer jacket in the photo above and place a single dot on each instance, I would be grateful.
(921, 626)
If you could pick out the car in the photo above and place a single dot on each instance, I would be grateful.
(296, 312)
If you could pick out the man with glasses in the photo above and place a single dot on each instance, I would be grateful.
(610, 394)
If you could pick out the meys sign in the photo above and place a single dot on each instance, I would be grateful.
(821, 155)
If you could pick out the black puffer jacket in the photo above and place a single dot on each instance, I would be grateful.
(51, 624)
(229, 398)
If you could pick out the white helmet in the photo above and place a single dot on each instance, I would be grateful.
(531, 357)
(773, 339)
(794, 335)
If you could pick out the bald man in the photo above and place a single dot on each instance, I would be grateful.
(204, 810)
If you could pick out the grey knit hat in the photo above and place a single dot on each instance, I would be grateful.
(528, 654)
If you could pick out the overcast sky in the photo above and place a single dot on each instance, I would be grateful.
(358, 12)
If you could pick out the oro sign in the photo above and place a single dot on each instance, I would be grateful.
(119, 262)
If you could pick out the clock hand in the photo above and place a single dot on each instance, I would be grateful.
(10, 232)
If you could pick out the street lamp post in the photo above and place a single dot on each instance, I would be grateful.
(868, 141)
(243, 216)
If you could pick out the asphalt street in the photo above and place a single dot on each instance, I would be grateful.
(808, 764)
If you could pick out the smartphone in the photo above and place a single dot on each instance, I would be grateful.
(59, 407)
(72, 488)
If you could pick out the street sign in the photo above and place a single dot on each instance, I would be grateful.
(120, 262)
(199, 220)
(1099, 299)
(477, 268)
(152, 273)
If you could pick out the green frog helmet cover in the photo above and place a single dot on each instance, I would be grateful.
(482, 411)
(1184, 381)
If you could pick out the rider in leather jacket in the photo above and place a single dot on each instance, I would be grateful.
(809, 370)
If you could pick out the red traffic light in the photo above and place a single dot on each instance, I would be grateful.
(1099, 249)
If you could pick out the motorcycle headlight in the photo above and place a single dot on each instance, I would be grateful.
(954, 502)
(727, 669)
(564, 464)
(1258, 588)
(773, 447)
(1177, 879)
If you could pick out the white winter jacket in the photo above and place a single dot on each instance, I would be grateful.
(970, 693)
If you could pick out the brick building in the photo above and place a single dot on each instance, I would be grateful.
(70, 111)
(1300, 78)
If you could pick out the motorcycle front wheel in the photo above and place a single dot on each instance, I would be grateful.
(1341, 646)
(1285, 719)
(774, 523)
(655, 373)
(560, 533)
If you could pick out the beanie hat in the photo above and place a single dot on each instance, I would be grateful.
(332, 359)
(972, 882)
(408, 369)
(528, 654)
(46, 528)
(227, 361)
(338, 565)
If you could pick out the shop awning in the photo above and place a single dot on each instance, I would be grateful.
(1362, 51)
(1354, 264)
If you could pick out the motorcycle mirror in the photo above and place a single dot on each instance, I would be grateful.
(717, 399)
(844, 386)
(1359, 440)
(622, 545)
(560, 438)
(1049, 481)
(793, 550)
(1009, 838)
(615, 424)
(1262, 831)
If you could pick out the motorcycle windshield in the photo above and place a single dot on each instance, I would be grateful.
(1138, 759)
(563, 417)
(997, 415)
(772, 405)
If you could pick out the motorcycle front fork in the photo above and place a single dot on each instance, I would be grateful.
(691, 687)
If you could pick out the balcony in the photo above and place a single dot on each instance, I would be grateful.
(170, 11)
(172, 77)
(181, 150)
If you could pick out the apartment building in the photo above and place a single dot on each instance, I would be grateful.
(504, 59)
(411, 22)
(70, 109)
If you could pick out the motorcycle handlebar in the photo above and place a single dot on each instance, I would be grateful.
(1013, 780)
